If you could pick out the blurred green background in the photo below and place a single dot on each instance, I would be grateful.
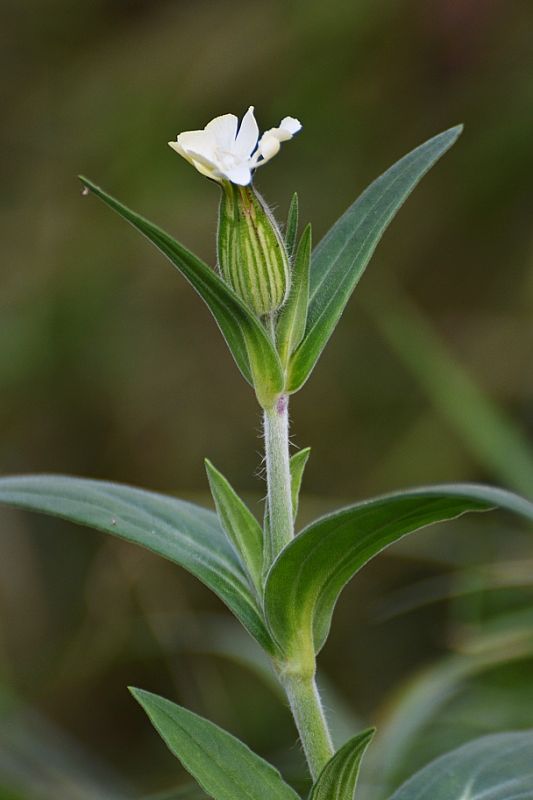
(111, 367)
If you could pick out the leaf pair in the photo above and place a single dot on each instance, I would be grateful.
(320, 289)
(499, 766)
(305, 581)
(240, 525)
(228, 770)
(300, 593)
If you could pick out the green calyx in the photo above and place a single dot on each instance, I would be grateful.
(252, 255)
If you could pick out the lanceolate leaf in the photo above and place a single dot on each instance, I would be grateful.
(338, 779)
(499, 767)
(297, 467)
(248, 341)
(240, 525)
(305, 581)
(341, 257)
(291, 324)
(181, 532)
(223, 766)
(291, 231)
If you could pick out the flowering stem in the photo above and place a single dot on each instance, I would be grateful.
(279, 498)
(299, 684)
(308, 714)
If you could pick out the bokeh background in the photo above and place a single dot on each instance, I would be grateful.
(111, 367)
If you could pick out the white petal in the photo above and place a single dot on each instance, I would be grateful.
(208, 171)
(291, 125)
(281, 134)
(200, 141)
(247, 137)
(287, 128)
(183, 153)
(240, 174)
(268, 146)
(199, 161)
(175, 146)
(206, 166)
(224, 130)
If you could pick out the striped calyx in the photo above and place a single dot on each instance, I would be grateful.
(252, 255)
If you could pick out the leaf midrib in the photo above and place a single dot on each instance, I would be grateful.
(210, 757)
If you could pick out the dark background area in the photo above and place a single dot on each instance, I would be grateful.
(111, 367)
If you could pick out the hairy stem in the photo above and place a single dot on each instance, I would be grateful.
(308, 714)
(299, 685)
(279, 499)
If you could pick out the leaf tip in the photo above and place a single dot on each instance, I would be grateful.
(85, 185)
(210, 468)
(307, 233)
(141, 695)
(456, 131)
(368, 734)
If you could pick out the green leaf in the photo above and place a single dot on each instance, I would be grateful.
(293, 316)
(184, 533)
(241, 527)
(297, 467)
(291, 230)
(305, 581)
(223, 766)
(341, 257)
(248, 341)
(498, 766)
(338, 779)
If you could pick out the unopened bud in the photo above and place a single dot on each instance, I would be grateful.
(251, 252)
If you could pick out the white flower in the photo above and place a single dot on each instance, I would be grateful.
(222, 153)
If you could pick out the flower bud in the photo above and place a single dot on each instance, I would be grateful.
(251, 252)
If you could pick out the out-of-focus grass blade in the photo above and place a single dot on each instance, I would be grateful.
(468, 581)
(423, 696)
(189, 792)
(39, 761)
(492, 437)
